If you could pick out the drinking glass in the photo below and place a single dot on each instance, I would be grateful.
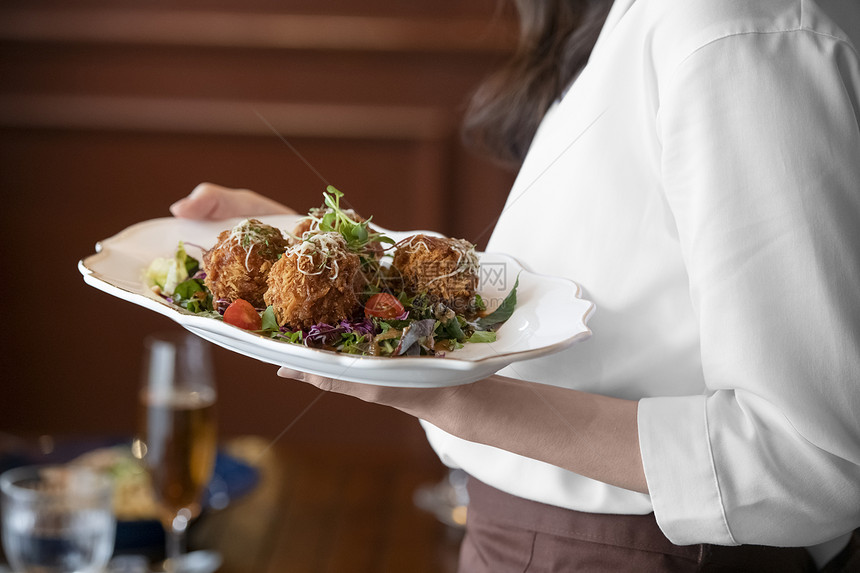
(177, 442)
(57, 519)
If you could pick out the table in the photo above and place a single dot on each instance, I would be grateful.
(319, 508)
(329, 509)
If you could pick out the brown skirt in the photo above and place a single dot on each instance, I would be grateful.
(509, 534)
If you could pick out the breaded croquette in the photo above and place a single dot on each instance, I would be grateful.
(317, 280)
(239, 263)
(445, 269)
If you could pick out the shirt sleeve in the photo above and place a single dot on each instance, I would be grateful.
(761, 166)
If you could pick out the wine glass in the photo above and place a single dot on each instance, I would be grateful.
(177, 443)
(57, 519)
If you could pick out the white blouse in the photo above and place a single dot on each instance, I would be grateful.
(701, 181)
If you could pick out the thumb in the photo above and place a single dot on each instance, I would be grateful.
(201, 203)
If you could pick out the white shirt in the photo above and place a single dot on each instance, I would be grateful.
(701, 181)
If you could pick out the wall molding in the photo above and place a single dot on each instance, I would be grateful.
(223, 29)
(189, 116)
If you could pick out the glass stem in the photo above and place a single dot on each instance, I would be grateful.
(176, 543)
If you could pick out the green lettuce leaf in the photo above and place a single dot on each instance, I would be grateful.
(269, 320)
(503, 313)
(483, 336)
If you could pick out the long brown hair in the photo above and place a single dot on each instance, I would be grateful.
(556, 39)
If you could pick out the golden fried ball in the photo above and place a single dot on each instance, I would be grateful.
(315, 281)
(239, 263)
(446, 269)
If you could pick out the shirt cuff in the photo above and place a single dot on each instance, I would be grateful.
(679, 469)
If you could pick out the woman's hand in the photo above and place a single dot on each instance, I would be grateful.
(592, 435)
(213, 202)
(425, 403)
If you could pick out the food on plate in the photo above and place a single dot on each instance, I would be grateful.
(328, 218)
(133, 498)
(443, 268)
(339, 285)
(311, 223)
(316, 281)
(383, 305)
(242, 313)
(316, 216)
(355, 229)
(238, 265)
(180, 281)
(164, 275)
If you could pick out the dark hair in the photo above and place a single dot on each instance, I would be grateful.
(556, 39)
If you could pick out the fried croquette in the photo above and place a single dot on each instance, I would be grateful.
(239, 263)
(446, 269)
(317, 280)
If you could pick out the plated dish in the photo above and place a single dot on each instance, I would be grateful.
(550, 315)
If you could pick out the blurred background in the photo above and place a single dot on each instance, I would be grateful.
(110, 110)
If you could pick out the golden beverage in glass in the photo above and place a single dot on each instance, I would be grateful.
(180, 440)
(178, 429)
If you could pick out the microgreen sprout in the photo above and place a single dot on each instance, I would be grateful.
(357, 234)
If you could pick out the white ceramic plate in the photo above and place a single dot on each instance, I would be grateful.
(549, 317)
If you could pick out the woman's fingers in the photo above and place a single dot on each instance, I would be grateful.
(362, 391)
(201, 203)
(285, 372)
(368, 392)
(213, 202)
(321, 382)
(431, 404)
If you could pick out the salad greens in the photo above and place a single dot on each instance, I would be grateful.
(180, 281)
(503, 313)
(426, 329)
(168, 273)
(357, 234)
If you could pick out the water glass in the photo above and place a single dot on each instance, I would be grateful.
(57, 519)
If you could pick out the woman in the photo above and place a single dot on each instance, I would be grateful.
(701, 161)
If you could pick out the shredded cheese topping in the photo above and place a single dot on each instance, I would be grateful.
(330, 246)
(249, 233)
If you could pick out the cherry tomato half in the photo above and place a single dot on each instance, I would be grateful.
(383, 305)
(242, 313)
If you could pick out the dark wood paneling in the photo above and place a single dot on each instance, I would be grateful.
(232, 29)
(390, 78)
(451, 9)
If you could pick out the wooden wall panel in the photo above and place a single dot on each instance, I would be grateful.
(105, 120)
(233, 29)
